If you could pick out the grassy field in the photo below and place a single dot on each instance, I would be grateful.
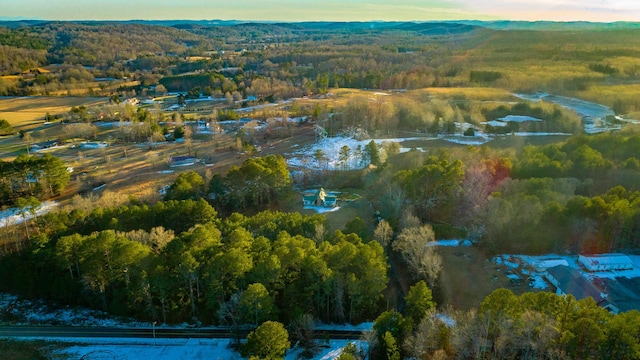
(469, 276)
(612, 93)
(471, 93)
(27, 112)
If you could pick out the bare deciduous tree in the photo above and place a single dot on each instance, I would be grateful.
(424, 260)
(229, 314)
(302, 331)
(383, 233)
(428, 338)
(320, 233)
(409, 219)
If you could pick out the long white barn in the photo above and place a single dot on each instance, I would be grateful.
(606, 262)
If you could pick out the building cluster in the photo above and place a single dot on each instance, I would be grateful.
(616, 295)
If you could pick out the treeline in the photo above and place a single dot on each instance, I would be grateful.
(256, 184)
(554, 118)
(14, 60)
(595, 157)
(538, 325)
(231, 271)
(419, 112)
(554, 198)
(209, 81)
(39, 176)
(302, 59)
(83, 44)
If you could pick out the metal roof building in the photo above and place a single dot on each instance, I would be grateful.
(606, 262)
(569, 281)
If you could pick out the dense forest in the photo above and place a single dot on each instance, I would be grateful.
(180, 260)
(463, 193)
(506, 326)
(136, 265)
(279, 61)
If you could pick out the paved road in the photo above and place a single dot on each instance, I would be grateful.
(102, 332)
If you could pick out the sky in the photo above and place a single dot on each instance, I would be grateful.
(330, 10)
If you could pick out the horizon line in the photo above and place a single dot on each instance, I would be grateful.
(19, 19)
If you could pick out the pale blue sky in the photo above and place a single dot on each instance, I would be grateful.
(304, 10)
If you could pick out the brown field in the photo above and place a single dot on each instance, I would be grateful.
(197, 58)
(479, 93)
(469, 276)
(94, 87)
(136, 170)
(28, 111)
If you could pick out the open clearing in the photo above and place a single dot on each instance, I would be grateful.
(468, 277)
(28, 111)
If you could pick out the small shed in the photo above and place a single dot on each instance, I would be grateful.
(606, 262)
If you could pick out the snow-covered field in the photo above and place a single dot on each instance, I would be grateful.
(330, 147)
(305, 157)
(321, 209)
(191, 349)
(12, 216)
(32, 313)
(586, 110)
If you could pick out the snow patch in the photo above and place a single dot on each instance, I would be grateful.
(450, 243)
(12, 216)
(330, 147)
(321, 209)
(518, 118)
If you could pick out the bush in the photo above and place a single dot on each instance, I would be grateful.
(268, 341)
(6, 128)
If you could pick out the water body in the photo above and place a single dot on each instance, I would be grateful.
(593, 115)
(581, 107)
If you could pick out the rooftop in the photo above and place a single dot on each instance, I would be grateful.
(604, 259)
(572, 282)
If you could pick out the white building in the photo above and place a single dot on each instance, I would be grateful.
(93, 145)
(606, 262)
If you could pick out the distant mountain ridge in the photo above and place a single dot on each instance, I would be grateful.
(424, 27)
(549, 25)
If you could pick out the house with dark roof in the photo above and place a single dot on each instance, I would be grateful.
(568, 280)
(319, 198)
(623, 293)
(44, 145)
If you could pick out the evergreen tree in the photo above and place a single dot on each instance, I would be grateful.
(268, 341)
